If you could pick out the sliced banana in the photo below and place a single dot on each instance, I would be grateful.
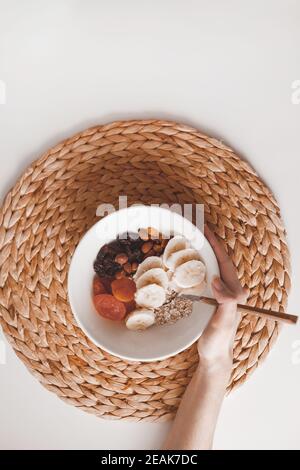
(148, 263)
(189, 274)
(153, 276)
(151, 296)
(181, 257)
(172, 284)
(176, 243)
(196, 290)
(140, 319)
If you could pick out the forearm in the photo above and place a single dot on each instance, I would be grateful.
(197, 415)
(195, 422)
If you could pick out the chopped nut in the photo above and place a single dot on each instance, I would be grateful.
(121, 258)
(146, 247)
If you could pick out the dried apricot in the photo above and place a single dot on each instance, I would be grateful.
(123, 289)
(109, 307)
(98, 286)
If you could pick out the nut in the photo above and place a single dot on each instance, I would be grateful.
(120, 275)
(146, 247)
(127, 268)
(121, 258)
(157, 248)
(134, 266)
(143, 234)
(153, 233)
(164, 242)
(150, 253)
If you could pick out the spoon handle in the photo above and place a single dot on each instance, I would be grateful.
(261, 312)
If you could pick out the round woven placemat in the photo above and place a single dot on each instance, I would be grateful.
(53, 204)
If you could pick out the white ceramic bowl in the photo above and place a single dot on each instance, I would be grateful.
(157, 342)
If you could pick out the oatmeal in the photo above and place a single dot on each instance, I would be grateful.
(175, 308)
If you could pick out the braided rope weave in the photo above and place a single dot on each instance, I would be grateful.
(53, 204)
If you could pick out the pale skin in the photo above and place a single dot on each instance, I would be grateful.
(197, 415)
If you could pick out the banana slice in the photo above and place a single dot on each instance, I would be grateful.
(148, 263)
(151, 296)
(189, 274)
(181, 257)
(140, 319)
(175, 244)
(196, 290)
(153, 276)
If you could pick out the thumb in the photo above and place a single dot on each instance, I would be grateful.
(221, 291)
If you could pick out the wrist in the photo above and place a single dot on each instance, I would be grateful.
(229, 305)
(216, 365)
(211, 379)
(221, 367)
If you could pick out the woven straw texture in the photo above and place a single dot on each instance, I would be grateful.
(54, 203)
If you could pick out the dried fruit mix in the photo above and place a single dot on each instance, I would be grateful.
(116, 264)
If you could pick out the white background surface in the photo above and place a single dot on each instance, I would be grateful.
(225, 67)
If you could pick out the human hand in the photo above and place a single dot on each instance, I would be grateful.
(215, 345)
